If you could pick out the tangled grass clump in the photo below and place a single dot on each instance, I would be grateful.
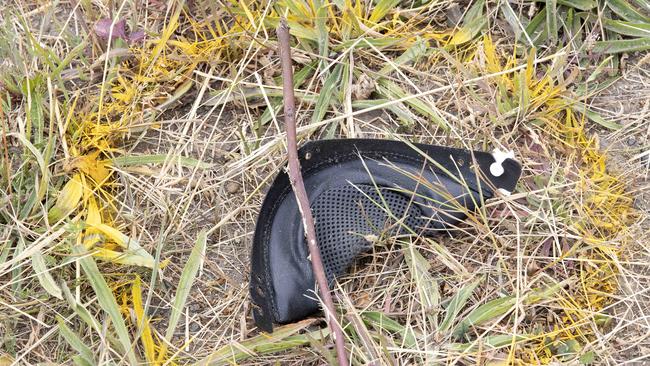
(132, 168)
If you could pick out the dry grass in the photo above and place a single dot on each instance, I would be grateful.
(132, 172)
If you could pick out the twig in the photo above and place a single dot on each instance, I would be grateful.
(301, 195)
(5, 130)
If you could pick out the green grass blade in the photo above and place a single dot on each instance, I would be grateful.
(417, 50)
(44, 276)
(488, 311)
(281, 339)
(535, 29)
(321, 28)
(643, 4)
(382, 7)
(301, 31)
(367, 42)
(621, 45)
(298, 8)
(599, 70)
(381, 321)
(80, 361)
(427, 285)
(106, 300)
(628, 28)
(326, 93)
(626, 11)
(393, 91)
(474, 12)
(75, 342)
(456, 304)
(85, 315)
(299, 78)
(516, 23)
(492, 342)
(81, 311)
(473, 24)
(185, 283)
(123, 161)
(597, 118)
(583, 5)
(400, 110)
(501, 306)
(551, 20)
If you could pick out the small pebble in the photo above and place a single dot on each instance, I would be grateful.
(194, 327)
(232, 187)
(631, 141)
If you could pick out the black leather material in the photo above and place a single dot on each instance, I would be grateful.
(356, 188)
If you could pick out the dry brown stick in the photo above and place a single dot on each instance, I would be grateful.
(301, 194)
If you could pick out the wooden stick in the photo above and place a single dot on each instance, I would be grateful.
(298, 186)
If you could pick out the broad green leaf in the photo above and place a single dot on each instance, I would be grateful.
(40, 160)
(628, 28)
(488, 311)
(622, 45)
(418, 49)
(366, 42)
(321, 28)
(535, 30)
(382, 7)
(75, 342)
(85, 315)
(626, 11)
(456, 304)
(282, 338)
(474, 12)
(326, 93)
(595, 117)
(382, 321)
(551, 19)
(393, 91)
(178, 94)
(576, 4)
(516, 23)
(44, 276)
(599, 69)
(298, 79)
(188, 276)
(538, 295)
(399, 109)
(579, 4)
(498, 307)
(345, 83)
(80, 361)
(575, 29)
(473, 24)
(106, 300)
(128, 244)
(489, 342)
(467, 32)
(303, 32)
(595, 87)
(131, 160)
(126, 258)
(298, 8)
(588, 358)
(81, 311)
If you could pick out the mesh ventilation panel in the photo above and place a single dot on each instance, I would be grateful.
(345, 214)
